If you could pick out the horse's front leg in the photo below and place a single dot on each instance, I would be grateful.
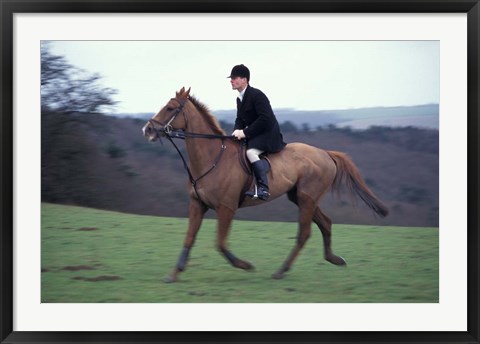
(225, 217)
(196, 212)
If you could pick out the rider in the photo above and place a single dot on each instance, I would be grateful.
(257, 124)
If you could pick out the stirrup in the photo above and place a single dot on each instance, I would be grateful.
(255, 195)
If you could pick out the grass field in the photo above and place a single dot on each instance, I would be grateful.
(98, 256)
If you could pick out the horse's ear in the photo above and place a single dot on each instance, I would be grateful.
(181, 92)
(187, 94)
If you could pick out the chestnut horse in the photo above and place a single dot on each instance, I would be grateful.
(219, 181)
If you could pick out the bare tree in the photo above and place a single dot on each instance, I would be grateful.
(66, 88)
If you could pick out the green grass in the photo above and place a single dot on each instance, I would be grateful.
(99, 256)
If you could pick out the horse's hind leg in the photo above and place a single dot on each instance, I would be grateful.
(225, 217)
(325, 225)
(196, 212)
(306, 207)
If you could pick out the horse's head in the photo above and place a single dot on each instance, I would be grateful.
(170, 117)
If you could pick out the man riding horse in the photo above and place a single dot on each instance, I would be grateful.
(257, 124)
(305, 173)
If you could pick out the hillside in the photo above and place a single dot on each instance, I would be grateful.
(92, 256)
(104, 162)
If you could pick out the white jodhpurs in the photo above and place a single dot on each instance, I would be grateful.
(253, 154)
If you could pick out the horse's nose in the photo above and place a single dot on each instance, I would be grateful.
(146, 129)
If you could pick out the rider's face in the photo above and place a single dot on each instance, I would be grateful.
(238, 83)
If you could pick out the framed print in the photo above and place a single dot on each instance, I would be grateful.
(91, 210)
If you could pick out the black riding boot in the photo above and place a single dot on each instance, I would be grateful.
(261, 191)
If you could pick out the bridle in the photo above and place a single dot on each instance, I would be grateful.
(169, 132)
(166, 130)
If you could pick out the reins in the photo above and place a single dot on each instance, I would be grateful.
(171, 134)
(194, 181)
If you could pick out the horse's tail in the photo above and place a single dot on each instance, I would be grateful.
(346, 170)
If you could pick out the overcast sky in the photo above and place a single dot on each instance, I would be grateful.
(304, 75)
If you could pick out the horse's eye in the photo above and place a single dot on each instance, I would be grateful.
(169, 109)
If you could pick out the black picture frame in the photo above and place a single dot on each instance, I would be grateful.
(10, 7)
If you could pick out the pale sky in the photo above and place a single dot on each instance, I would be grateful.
(303, 75)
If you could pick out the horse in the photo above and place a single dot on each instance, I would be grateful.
(218, 180)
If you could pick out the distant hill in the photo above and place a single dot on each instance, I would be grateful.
(104, 162)
(420, 116)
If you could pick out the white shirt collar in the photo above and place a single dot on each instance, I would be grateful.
(241, 94)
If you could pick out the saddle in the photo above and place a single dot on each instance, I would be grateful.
(247, 168)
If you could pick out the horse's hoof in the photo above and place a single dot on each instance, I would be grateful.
(241, 264)
(278, 275)
(337, 260)
(169, 279)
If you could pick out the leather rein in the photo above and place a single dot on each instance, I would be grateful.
(166, 130)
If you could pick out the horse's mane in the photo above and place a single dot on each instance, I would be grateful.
(209, 118)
